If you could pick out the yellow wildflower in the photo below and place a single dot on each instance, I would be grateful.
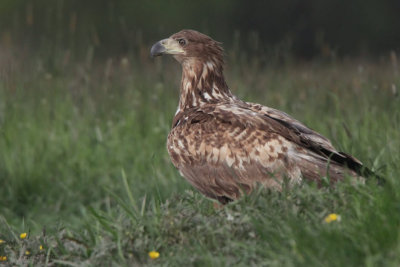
(23, 235)
(41, 247)
(2, 241)
(154, 254)
(332, 217)
(3, 258)
(27, 252)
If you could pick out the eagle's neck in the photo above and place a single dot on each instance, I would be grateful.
(202, 83)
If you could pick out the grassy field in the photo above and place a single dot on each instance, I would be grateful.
(85, 173)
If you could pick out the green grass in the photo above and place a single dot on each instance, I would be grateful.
(85, 172)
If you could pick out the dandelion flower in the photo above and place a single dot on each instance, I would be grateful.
(23, 235)
(40, 247)
(154, 254)
(27, 252)
(3, 258)
(2, 241)
(332, 217)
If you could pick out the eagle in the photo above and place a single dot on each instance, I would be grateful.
(226, 147)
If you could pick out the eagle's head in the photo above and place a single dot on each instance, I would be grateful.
(188, 47)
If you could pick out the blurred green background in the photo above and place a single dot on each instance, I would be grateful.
(85, 112)
(306, 28)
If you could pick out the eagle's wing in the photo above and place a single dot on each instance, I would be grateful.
(292, 123)
(309, 138)
(225, 149)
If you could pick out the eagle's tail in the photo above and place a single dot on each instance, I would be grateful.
(357, 166)
(336, 167)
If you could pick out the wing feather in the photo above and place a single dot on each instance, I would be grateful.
(310, 139)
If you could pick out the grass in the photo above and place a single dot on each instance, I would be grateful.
(85, 173)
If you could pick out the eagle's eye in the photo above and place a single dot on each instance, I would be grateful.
(181, 41)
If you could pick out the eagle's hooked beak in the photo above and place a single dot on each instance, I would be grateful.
(157, 49)
(166, 46)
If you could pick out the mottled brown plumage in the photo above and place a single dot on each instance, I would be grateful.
(224, 146)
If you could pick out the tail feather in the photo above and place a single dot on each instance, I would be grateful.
(354, 164)
(336, 167)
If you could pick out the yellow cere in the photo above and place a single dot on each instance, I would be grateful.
(3, 258)
(23, 235)
(332, 217)
(154, 254)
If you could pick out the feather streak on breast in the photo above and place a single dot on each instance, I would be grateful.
(202, 149)
(215, 155)
(207, 96)
(223, 153)
(230, 160)
(192, 147)
(180, 144)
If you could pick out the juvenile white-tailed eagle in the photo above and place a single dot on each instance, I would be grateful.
(224, 146)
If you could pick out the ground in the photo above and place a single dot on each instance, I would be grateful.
(85, 172)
